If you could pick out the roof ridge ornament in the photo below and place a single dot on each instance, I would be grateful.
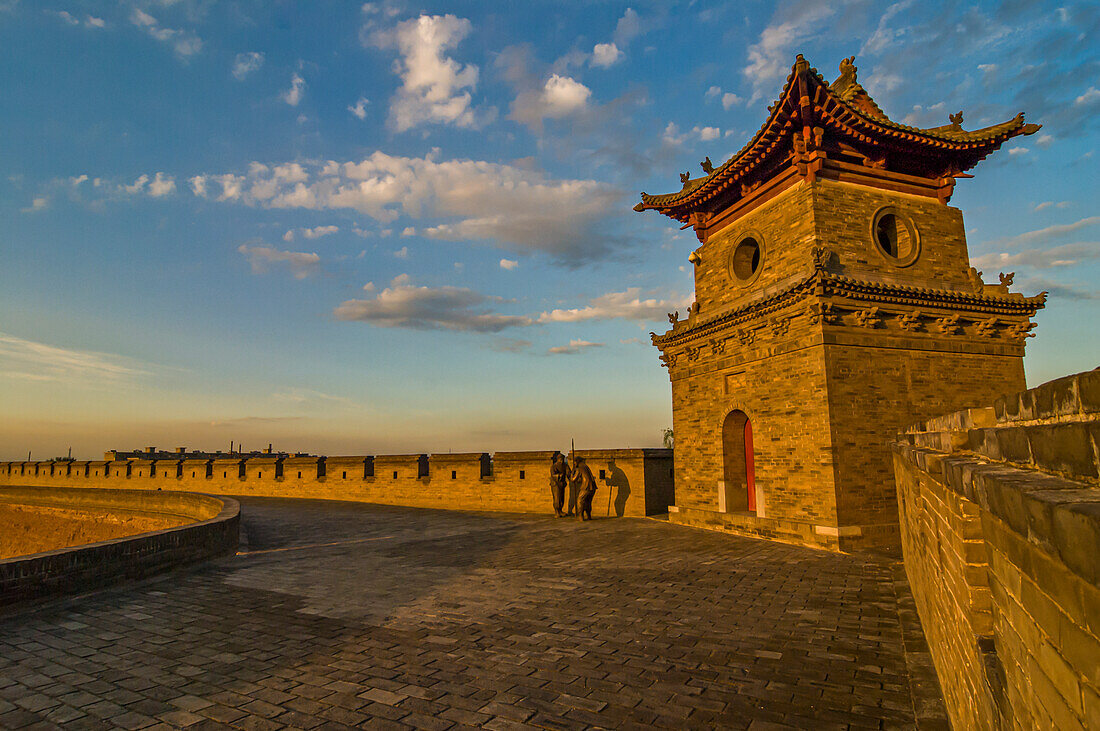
(956, 120)
(847, 73)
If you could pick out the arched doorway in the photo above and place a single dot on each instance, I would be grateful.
(739, 463)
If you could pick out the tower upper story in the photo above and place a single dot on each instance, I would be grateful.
(830, 184)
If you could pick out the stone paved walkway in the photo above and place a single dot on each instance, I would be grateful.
(338, 615)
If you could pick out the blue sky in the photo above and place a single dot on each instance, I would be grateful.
(363, 228)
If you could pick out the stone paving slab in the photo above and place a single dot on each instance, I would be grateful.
(345, 615)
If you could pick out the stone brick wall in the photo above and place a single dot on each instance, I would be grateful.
(784, 227)
(1000, 532)
(842, 215)
(638, 481)
(83, 568)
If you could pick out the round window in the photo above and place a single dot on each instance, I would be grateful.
(746, 258)
(895, 237)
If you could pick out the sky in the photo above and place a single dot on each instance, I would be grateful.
(385, 227)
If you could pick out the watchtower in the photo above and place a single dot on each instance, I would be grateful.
(834, 304)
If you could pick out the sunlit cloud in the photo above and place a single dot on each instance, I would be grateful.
(404, 305)
(262, 258)
(626, 305)
(246, 64)
(517, 208)
(574, 347)
(30, 360)
(435, 88)
(184, 43)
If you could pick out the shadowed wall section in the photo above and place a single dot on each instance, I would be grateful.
(631, 482)
(1000, 527)
(210, 529)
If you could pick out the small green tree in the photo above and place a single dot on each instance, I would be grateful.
(668, 437)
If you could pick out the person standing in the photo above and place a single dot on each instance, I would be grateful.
(586, 489)
(559, 474)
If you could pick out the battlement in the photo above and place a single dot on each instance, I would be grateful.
(632, 482)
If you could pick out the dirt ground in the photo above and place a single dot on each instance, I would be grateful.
(32, 529)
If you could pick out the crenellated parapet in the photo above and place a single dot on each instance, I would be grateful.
(636, 482)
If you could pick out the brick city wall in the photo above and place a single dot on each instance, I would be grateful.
(1000, 526)
(82, 568)
(631, 482)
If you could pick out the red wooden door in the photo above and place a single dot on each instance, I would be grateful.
(750, 467)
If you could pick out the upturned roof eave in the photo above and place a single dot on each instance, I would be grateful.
(970, 146)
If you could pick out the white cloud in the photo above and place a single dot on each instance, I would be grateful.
(508, 264)
(137, 186)
(516, 207)
(729, 99)
(27, 359)
(1044, 141)
(38, 204)
(1018, 151)
(67, 17)
(1089, 97)
(771, 56)
(158, 186)
(198, 185)
(1047, 204)
(673, 136)
(626, 305)
(888, 30)
(360, 108)
(575, 346)
(402, 253)
(425, 308)
(559, 97)
(184, 43)
(309, 397)
(162, 185)
(1049, 258)
(318, 231)
(246, 63)
(628, 28)
(288, 236)
(1044, 234)
(293, 95)
(261, 258)
(433, 84)
(713, 92)
(605, 54)
(93, 22)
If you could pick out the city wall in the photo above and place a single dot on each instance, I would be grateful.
(631, 482)
(211, 530)
(1000, 526)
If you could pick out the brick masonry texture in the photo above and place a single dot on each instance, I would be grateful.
(79, 569)
(826, 378)
(347, 615)
(630, 482)
(1001, 537)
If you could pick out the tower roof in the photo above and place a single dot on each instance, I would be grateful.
(841, 121)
